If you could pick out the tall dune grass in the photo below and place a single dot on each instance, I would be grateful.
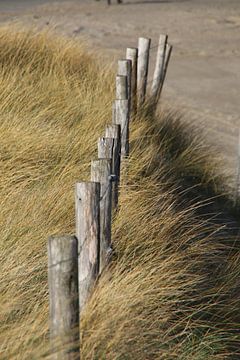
(172, 290)
(52, 109)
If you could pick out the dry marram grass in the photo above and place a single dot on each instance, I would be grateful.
(172, 290)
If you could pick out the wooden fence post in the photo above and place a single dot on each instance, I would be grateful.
(159, 68)
(64, 299)
(114, 113)
(87, 201)
(166, 62)
(122, 118)
(101, 172)
(121, 87)
(105, 148)
(131, 54)
(142, 69)
(125, 69)
(114, 131)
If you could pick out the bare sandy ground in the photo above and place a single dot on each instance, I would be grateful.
(204, 74)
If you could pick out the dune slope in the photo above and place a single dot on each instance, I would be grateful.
(172, 290)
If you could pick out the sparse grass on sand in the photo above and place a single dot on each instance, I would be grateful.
(172, 290)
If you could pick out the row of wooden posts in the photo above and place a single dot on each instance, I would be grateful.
(76, 262)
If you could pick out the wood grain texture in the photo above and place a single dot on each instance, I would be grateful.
(114, 113)
(121, 87)
(105, 147)
(166, 63)
(159, 67)
(125, 69)
(101, 172)
(122, 118)
(113, 131)
(142, 69)
(87, 201)
(64, 299)
(132, 54)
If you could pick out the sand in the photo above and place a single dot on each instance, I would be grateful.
(204, 73)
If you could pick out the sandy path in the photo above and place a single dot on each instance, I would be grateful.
(204, 74)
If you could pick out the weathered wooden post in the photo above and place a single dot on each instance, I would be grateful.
(132, 54)
(105, 148)
(125, 69)
(64, 299)
(114, 132)
(122, 115)
(121, 87)
(87, 201)
(122, 104)
(114, 113)
(159, 68)
(166, 62)
(101, 172)
(142, 69)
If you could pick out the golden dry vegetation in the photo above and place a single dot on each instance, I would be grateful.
(172, 290)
